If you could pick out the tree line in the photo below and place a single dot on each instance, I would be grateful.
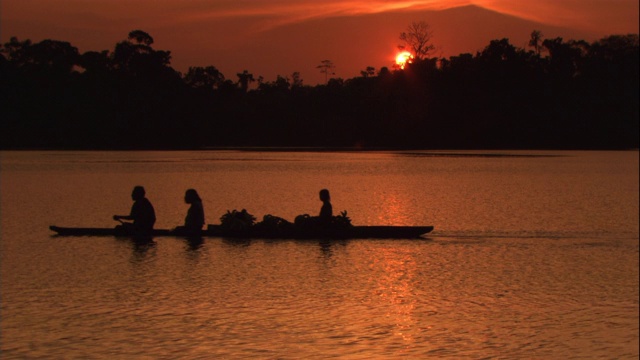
(554, 94)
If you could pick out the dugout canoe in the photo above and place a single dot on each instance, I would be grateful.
(354, 232)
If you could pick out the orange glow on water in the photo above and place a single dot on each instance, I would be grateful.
(395, 209)
(396, 292)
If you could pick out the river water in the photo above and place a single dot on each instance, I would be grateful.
(534, 255)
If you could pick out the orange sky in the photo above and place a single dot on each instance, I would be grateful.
(278, 37)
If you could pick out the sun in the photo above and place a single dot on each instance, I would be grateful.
(403, 58)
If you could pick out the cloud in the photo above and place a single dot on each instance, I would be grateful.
(268, 15)
(601, 16)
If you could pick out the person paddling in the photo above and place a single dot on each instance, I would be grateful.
(142, 214)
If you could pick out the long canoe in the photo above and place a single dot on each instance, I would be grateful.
(354, 232)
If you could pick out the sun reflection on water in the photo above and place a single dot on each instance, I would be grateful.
(395, 290)
(393, 210)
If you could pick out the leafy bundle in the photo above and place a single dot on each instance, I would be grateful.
(244, 221)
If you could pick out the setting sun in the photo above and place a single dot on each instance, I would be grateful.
(403, 58)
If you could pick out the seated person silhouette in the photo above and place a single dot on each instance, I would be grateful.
(194, 221)
(142, 214)
(326, 212)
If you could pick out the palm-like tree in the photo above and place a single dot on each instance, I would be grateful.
(536, 41)
(326, 67)
(244, 79)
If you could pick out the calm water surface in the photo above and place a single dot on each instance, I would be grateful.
(535, 255)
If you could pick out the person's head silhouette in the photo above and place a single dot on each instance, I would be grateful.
(138, 193)
(191, 196)
(324, 195)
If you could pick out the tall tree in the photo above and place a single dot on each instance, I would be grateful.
(417, 40)
(141, 37)
(17, 52)
(204, 77)
(296, 80)
(368, 72)
(244, 79)
(326, 67)
(48, 55)
(136, 57)
(536, 41)
(498, 51)
(565, 57)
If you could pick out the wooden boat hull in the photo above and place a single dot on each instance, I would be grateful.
(354, 232)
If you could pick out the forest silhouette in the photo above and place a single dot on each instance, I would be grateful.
(555, 94)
